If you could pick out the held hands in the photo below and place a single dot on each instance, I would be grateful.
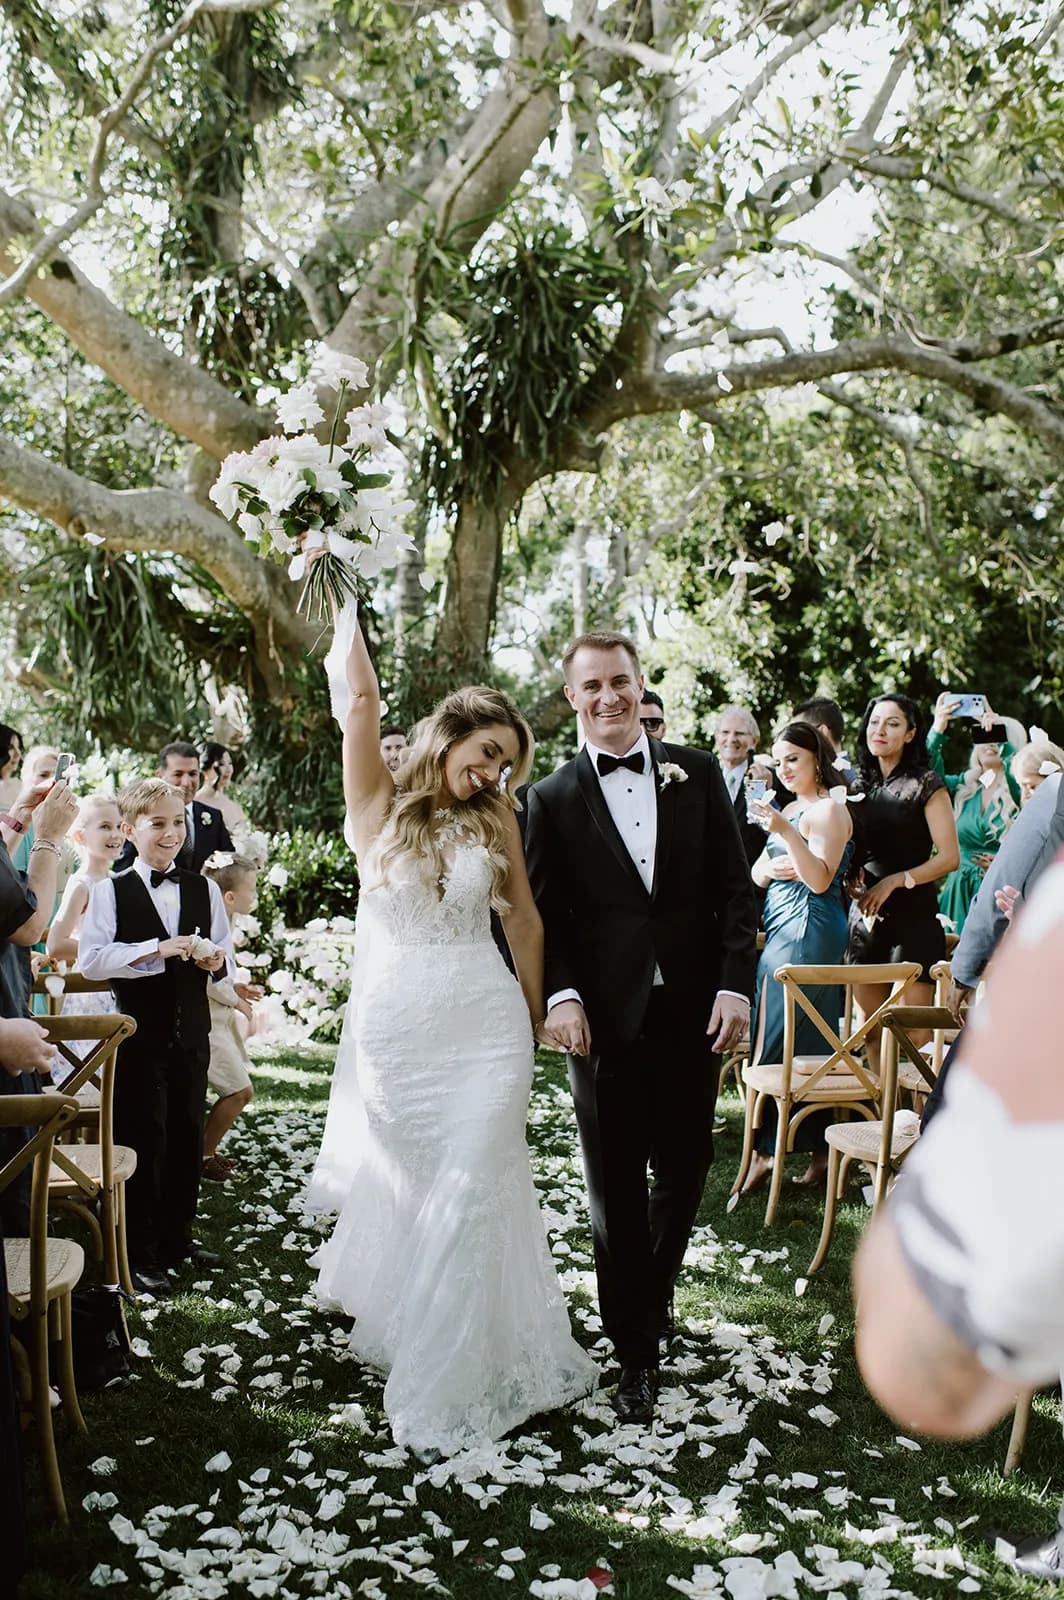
(565, 1027)
(728, 1022)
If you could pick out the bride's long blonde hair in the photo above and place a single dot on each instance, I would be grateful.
(421, 777)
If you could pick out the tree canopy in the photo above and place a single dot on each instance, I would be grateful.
(734, 263)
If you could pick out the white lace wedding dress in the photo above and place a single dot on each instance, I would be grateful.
(440, 1252)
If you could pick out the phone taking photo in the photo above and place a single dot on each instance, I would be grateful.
(756, 790)
(63, 765)
(969, 705)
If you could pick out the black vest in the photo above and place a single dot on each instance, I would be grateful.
(169, 1006)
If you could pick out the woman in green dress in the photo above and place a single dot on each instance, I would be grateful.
(986, 798)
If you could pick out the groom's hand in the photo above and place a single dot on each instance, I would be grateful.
(728, 1023)
(567, 1024)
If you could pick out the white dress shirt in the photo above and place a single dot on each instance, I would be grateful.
(632, 802)
(101, 957)
(733, 777)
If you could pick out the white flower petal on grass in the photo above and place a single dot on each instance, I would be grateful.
(907, 1444)
(219, 1463)
(823, 1415)
(539, 1520)
(800, 1286)
(104, 1466)
(104, 1577)
(825, 1325)
(724, 383)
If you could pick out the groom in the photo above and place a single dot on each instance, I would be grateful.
(639, 872)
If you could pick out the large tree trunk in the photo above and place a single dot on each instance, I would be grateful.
(464, 633)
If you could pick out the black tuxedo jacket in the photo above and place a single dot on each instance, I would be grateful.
(605, 932)
(211, 834)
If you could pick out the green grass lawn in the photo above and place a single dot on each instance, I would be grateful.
(769, 1470)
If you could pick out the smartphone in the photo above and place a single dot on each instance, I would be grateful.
(756, 789)
(63, 765)
(969, 705)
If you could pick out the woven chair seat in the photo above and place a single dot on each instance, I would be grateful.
(65, 1264)
(912, 1079)
(767, 1078)
(88, 1097)
(89, 1158)
(862, 1140)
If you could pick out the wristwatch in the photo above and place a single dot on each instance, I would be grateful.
(12, 822)
(909, 881)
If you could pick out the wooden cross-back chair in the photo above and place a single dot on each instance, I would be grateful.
(883, 1143)
(41, 1275)
(801, 1084)
(87, 1177)
(74, 983)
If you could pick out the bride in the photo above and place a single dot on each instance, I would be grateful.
(440, 1252)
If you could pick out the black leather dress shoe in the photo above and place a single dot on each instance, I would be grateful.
(151, 1280)
(637, 1389)
(198, 1254)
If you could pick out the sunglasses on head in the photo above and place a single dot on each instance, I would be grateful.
(652, 724)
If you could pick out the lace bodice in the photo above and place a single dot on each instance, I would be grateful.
(413, 906)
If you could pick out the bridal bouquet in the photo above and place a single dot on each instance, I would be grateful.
(326, 509)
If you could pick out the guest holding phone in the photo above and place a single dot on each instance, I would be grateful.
(908, 841)
(986, 798)
(802, 868)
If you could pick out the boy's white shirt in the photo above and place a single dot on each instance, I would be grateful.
(102, 958)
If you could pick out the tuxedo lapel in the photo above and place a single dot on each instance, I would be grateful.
(591, 790)
(666, 802)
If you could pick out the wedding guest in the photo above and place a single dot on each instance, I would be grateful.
(393, 743)
(205, 829)
(985, 799)
(652, 714)
(736, 737)
(216, 774)
(908, 841)
(802, 867)
(10, 761)
(1032, 765)
(826, 717)
(958, 1283)
(141, 931)
(228, 1075)
(97, 839)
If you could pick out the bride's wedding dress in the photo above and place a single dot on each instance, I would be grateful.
(440, 1252)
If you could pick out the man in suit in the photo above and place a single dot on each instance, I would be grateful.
(205, 829)
(638, 869)
(736, 737)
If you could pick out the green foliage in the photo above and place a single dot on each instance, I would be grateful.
(322, 879)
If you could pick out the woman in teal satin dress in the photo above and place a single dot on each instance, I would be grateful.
(806, 857)
(985, 798)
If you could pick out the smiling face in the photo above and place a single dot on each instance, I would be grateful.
(479, 761)
(888, 733)
(988, 757)
(795, 767)
(224, 768)
(159, 832)
(392, 748)
(604, 688)
(99, 833)
(183, 773)
(735, 739)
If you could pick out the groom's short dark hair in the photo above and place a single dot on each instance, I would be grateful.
(600, 641)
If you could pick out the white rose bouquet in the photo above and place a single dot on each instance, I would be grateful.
(293, 496)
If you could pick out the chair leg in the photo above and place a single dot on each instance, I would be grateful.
(124, 1275)
(783, 1109)
(750, 1109)
(1021, 1420)
(831, 1202)
(109, 1225)
(844, 1173)
(42, 1416)
(880, 1184)
(65, 1377)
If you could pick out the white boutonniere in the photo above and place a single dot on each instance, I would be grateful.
(204, 819)
(669, 772)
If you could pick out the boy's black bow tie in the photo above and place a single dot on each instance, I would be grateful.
(607, 764)
(158, 877)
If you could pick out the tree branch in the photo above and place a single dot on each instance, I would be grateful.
(801, 41)
(180, 394)
(161, 519)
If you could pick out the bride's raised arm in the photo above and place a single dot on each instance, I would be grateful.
(356, 705)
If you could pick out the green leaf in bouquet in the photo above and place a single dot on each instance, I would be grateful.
(308, 476)
(257, 506)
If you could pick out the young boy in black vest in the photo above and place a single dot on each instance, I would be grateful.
(157, 935)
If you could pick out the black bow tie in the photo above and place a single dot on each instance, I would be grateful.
(607, 764)
(158, 877)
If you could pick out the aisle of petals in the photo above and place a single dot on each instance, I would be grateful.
(295, 1523)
